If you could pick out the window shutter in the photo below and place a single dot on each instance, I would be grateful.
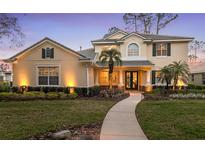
(154, 49)
(153, 77)
(168, 49)
(52, 53)
(43, 53)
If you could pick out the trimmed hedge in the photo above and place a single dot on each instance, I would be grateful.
(36, 95)
(91, 91)
(198, 87)
(4, 86)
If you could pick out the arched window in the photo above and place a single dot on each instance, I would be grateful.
(133, 50)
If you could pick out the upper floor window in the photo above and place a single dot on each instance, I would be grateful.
(133, 50)
(162, 49)
(48, 53)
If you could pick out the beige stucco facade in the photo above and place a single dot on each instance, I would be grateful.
(71, 71)
(76, 70)
(196, 79)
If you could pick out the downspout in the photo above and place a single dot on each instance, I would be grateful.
(87, 77)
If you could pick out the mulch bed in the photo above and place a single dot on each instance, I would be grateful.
(124, 96)
(83, 132)
(148, 96)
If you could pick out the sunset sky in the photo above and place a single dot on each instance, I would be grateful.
(75, 30)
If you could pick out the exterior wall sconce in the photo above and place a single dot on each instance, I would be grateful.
(71, 90)
(23, 88)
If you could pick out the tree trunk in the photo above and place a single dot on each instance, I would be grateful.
(167, 84)
(157, 27)
(110, 81)
(175, 83)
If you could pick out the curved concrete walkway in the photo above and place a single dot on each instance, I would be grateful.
(120, 122)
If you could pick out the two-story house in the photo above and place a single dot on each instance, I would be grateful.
(49, 63)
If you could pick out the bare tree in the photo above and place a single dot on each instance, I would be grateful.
(196, 45)
(163, 19)
(192, 58)
(148, 22)
(130, 20)
(113, 30)
(4, 67)
(10, 30)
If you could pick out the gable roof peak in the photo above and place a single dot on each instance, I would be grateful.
(117, 31)
(42, 40)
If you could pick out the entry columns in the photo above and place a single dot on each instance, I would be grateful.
(148, 84)
(121, 78)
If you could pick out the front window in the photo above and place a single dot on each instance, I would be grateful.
(48, 75)
(133, 50)
(157, 77)
(161, 49)
(104, 77)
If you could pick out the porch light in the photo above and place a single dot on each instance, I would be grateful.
(24, 82)
(148, 88)
(180, 83)
(23, 88)
(71, 90)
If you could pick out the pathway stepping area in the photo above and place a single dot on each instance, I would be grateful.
(120, 122)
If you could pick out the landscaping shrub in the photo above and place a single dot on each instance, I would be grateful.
(63, 95)
(52, 95)
(114, 93)
(73, 95)
(16, 89)
(81, 91)
(199, 87)
(94, 91)
(36, 94)
(91, 91)
(9, 96)
(4, 87)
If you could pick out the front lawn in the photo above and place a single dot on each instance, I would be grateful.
(22, 120)
(172, 119)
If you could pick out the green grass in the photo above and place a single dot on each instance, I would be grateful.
(21, 120)
(176, 119)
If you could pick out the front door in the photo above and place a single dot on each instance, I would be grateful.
(131, 80)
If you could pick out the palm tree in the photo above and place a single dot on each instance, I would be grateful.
(180, 70)
(166, 75)
(110, 56)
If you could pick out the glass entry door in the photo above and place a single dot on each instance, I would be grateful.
(131, 80)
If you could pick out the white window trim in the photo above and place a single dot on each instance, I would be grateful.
(161, 51)
(48, 65)
(138, 47)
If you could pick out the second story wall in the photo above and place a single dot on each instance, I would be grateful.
(179, 51)
(139, 42)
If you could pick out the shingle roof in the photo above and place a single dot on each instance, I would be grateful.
(197, 68)
(88, 53)
(44, 39)
(118, 30)
(162, 37)
(129, 63)
(145, 37)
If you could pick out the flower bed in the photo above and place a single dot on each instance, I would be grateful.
(187, 96)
